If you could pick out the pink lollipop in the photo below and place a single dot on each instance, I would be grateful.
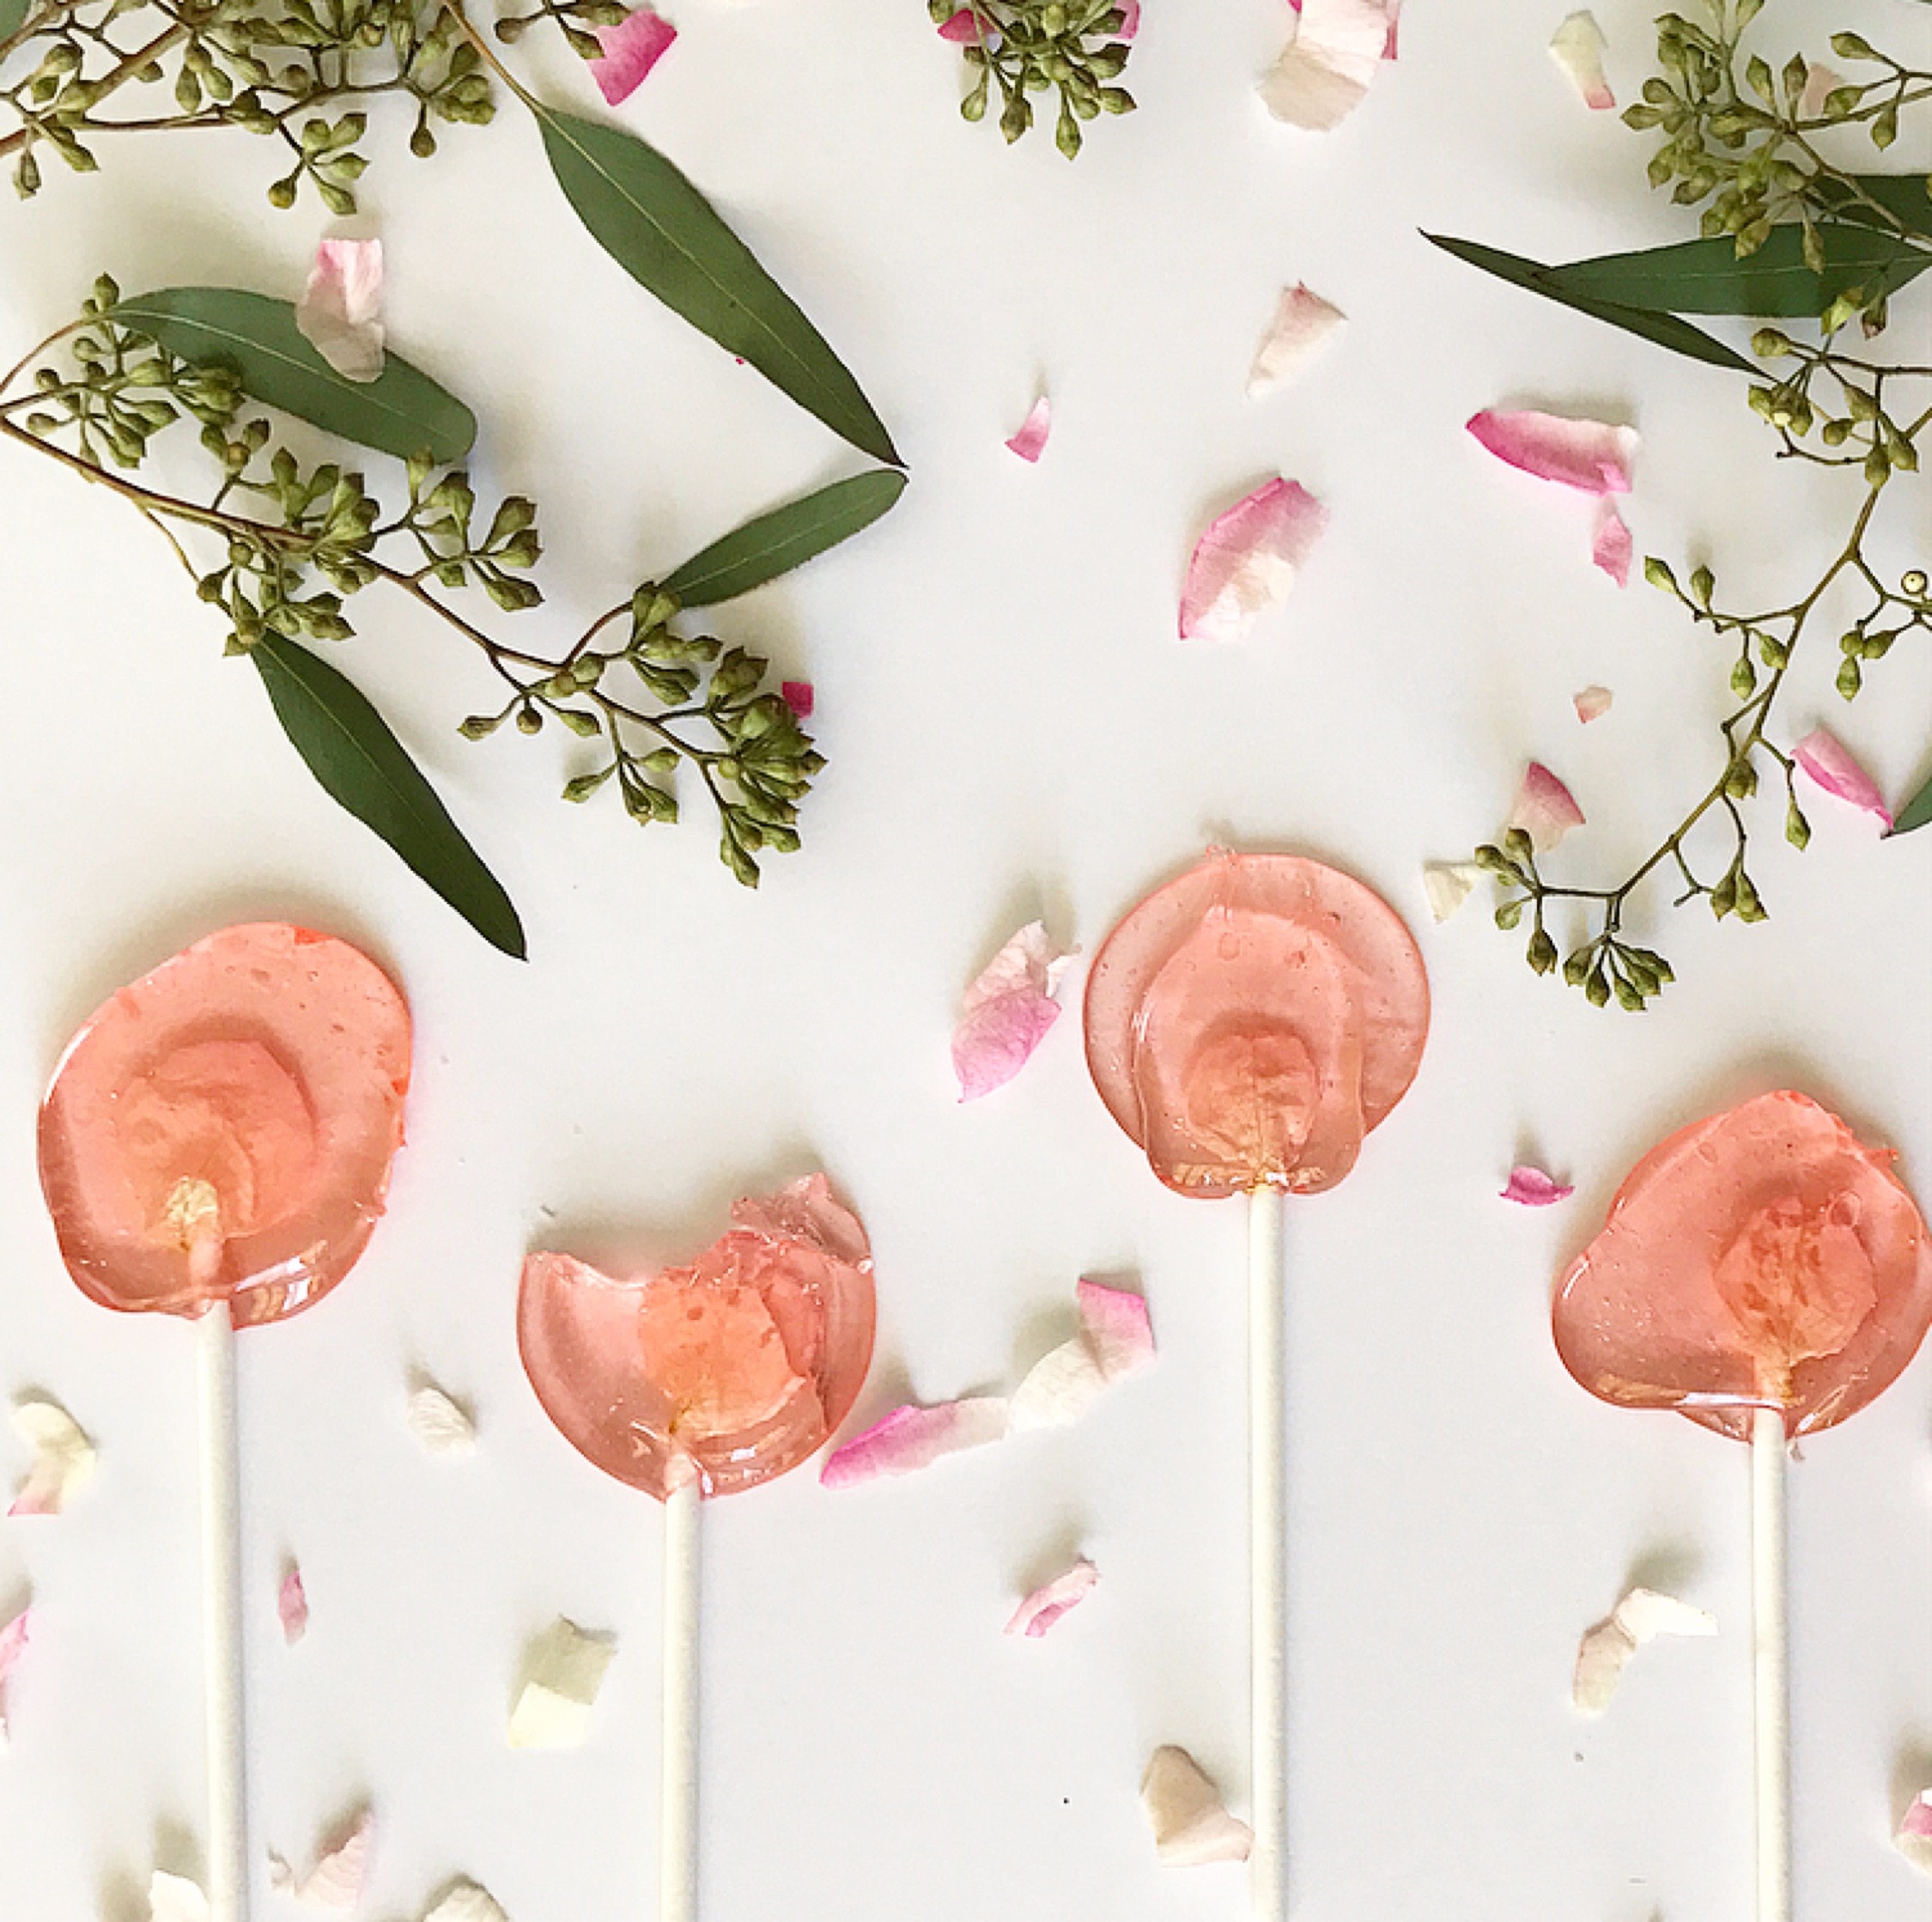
(1247, 1024)
(216, 1144)
(1766, 1274)
(697, 1382)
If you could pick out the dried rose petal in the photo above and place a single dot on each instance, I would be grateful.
(563, 1668)
(962, 29)
(63, 1457)
(1116, 1340)
(1545, 809)
(1819, 81)
(1326, 69)
(1531, 1188)
(1302, 322)
(799, 696)
(175, 1899)
(1449, 884)
(1592, 703)
(340, 313)
(1591, 456)
(1031, 440)
(1185, 1811)
(14, 1636)
(465, 1901)
(1610, 546)
(1641, 1616)
(334, 1885)
(911, 1439)
(1005, 1014)
(291, 1605)
(1831, 764)
(440, 1423)
(1577, 47)
(1248, 559)
(1050, 1602)
(631, 49)
(1914, 1838)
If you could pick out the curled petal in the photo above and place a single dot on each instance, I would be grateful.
(1591, 456)
(798, 695)
(1606, 1647)
(1046, 1605)
(1610, 546)
(562, 1671)
(1545, 809)
(1247, 561)
(631, 49)
(291, 1605)
(1130, 20)
(1031, 439)
(1829, 762)
(962, 29)
(1116, 1340)
(63, 1457)
(1577, 47)
(1321, 76)
(1449, 884)
(1006, 1012)
(911, 1439)
(1531, 1188)
(1115, 1324)
(334, 1885)
(1302, 322)
(1914, 1838)
(13, 1645)
(1592, 703)
(1185, 1811)
(340, 313)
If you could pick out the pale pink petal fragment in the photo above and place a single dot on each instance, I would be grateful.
(1610, 546)
(962, 29)
(1819, 81)
(1005, 1014)
(1531, 1188)
(1390, 48)
(1048, 1603)
(1829, 763)
(291, 1606)
(1592, 703)
(1577, 47)
(631, 49)
(1116, 1340)
(1115, 1324)
(911, 1439)
(340, 313)
(175, 1899)
(334, 1885)
(1608, 1645)
(1321, 76)
(1302, 322)
(13, 1645)
(1130, 18)
(1914, 1838)
(63, 1457)
(1031, 440)
(1185, 1811)
(1247, 561)
(1544, 809)
(1592, 456)
(799, 696)
(1449, 884)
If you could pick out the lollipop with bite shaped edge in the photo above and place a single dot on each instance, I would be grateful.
(1766, 1274)
(1247, 1025)
(698, 1382)
(215, 1144)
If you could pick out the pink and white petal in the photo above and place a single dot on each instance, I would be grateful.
(912, 1439)
(1049, 1603)
(1060, 1388)
(1545, 809)
(1592, 703)
(631, 49)
(1302, 322)
(1829, 763)
(1641, 1616)
(1592, 456)
(1115, 1325)
(1449, 884)
(1391, 47)
(1130, 19)
(14, 1637)
(1247, 561)
(799, 696)
(962, 29)
(1577, 47)
(334, 1886)
(1006, 1011)
(1531, 1188)
(291, 1606)
(1644, 1614)
(1914, 1838)
(1610, 546)
(1819, 81)
(340, 313)
(1324, 72)
(1184, 1810)
(1031, 440)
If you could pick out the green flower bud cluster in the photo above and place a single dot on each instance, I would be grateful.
(573, 19)
(1026, 48)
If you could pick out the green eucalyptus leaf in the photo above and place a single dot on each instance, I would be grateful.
(1915, 813)
(1666, 330)
(1906, 197)
(403, 413)
(669, 239)
(776, 542)
(349, 749)
(13, 16)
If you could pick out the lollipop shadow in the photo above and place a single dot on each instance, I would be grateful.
(1668, 1568)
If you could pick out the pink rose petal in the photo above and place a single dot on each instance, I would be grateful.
(1546, 809)
(1116, 1340)
(1005, 1014)
(1302, 322)
(1829, 763)
(334, 1885)
(1819, 81)
(1914, 1838)
(962, 29)
(13, 1645)
(1577, 47)
(1247, 561)
(631, 49)
(1322, 76)
(1531, 1188)
(1590, 455)
(340, 313)
(1032, 436)
(1390, 48)
(291, 1605)
(912, 1439)
(1610, 546)
(1592, 703)
(1046, 1605)
(1115, 1324)
(798, 695)
(1130, 18)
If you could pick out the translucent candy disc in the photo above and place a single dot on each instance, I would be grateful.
(738, 1366)
(1250, 1022)
(1762, 1258)
(224, 1127)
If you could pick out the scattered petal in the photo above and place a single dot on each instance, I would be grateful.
(291, 1605)
(1115, 1325)
(340, 311)
(465, 1901)
(1589, 455)
(1032, 436)
(562, 1670)
(1116, 1340)
(334, 1885)
(1005, 1014)
(1829, 763)
(911, 1439)
(962, 29)
(799, 696)
(1546, 809)
(1323, 74)
(14, 1637)
(442, 1424)
(1577, 47)
(64, 1457)
(631, 49)
(1605, 1648)
(1914, 1838)
(1130, 19)
(1592, 703)
(1610, 546)
(1449, 884)
(1531, 1188)
(1820, 80)
(1046, 1605)
(175, 1899)
(1247, 560)
(1185, 1812)
(1303, 321)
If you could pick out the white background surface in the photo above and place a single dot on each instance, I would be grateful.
(1012, 729)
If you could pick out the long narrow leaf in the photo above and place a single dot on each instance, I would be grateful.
(402, 412)
(351, 750)
(1915, 813)
(669, 239)
(1906, 197)
(784, 538)
(1666, 330)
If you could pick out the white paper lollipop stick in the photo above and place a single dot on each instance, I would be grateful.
(1268, 1535)
(221, 1609)
(1770, 1644)
(678, 1843)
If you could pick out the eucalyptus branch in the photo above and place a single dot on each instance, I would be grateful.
(1019, 48)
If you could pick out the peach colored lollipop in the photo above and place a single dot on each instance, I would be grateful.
(1247, 1025)
(1766, 1274)
(216, 1145)
(697, 1382)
